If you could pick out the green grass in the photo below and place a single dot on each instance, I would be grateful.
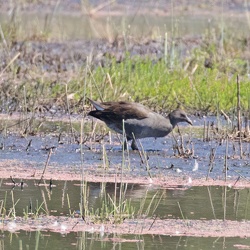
(137, 80)
(177, 79)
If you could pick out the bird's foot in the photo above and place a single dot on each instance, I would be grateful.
(134, 145)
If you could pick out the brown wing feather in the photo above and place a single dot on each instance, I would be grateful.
(117, 111)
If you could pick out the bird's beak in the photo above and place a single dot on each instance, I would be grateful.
(189, 121)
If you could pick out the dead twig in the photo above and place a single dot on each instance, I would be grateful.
(46, 164)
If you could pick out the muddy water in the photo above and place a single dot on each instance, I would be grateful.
(194, 203)
(83, 240)
(63, 198)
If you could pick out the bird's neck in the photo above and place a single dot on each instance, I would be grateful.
(172, 121)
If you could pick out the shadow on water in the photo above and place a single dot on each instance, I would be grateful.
(64, 197)
(85, 240)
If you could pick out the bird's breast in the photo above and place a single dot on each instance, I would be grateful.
(147, 127)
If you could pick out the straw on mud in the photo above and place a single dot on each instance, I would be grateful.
(225, 203)
(211, 161)
(240, 146)
(28, 146)
(37, 237)
(181, 139)
(195, 90)
(246, 123)
(30, 208)
(204, 131)
(63, 192)
(142, 204)
(9, 64)
(95, 84)
(46, 164)
(152, 223)
(82, 193)
(146, 159)
(180, 148)
(45, 203)
(166, 48)
(239, 124)
(13, 181)
(105, 161)
(150, 204)
(93, 125)
(68, 110)
(246, 206)
(236, 202)
(242, 176)
(48, 188)
(69, 205)
(15, 124)
(3, 38)
(211, 201)
(176, 146)
(225, 159)
(25, 109)
(13, 208)
(226, 116)
(122, 194)
(75, 225)
(238, 104)
(3, 205)
(182, 215)
(158, 202)
(208, 131)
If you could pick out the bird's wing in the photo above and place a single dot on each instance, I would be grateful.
(125, 110)
(118, 111)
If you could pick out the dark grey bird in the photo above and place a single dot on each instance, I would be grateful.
(139, 121)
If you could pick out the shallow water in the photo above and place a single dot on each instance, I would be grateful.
(105, 157)
(63, 199)
(195, 203)
(83, 240)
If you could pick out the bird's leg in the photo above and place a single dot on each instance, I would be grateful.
(125, 145)
(134, 145)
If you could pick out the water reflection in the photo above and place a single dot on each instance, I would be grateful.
(83, 240)
(65, 198)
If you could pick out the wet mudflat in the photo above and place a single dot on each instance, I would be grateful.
(60, 186)
(169, 194)
(185, 157)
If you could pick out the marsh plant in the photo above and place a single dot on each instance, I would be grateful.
(199, 77)
(112, 208)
